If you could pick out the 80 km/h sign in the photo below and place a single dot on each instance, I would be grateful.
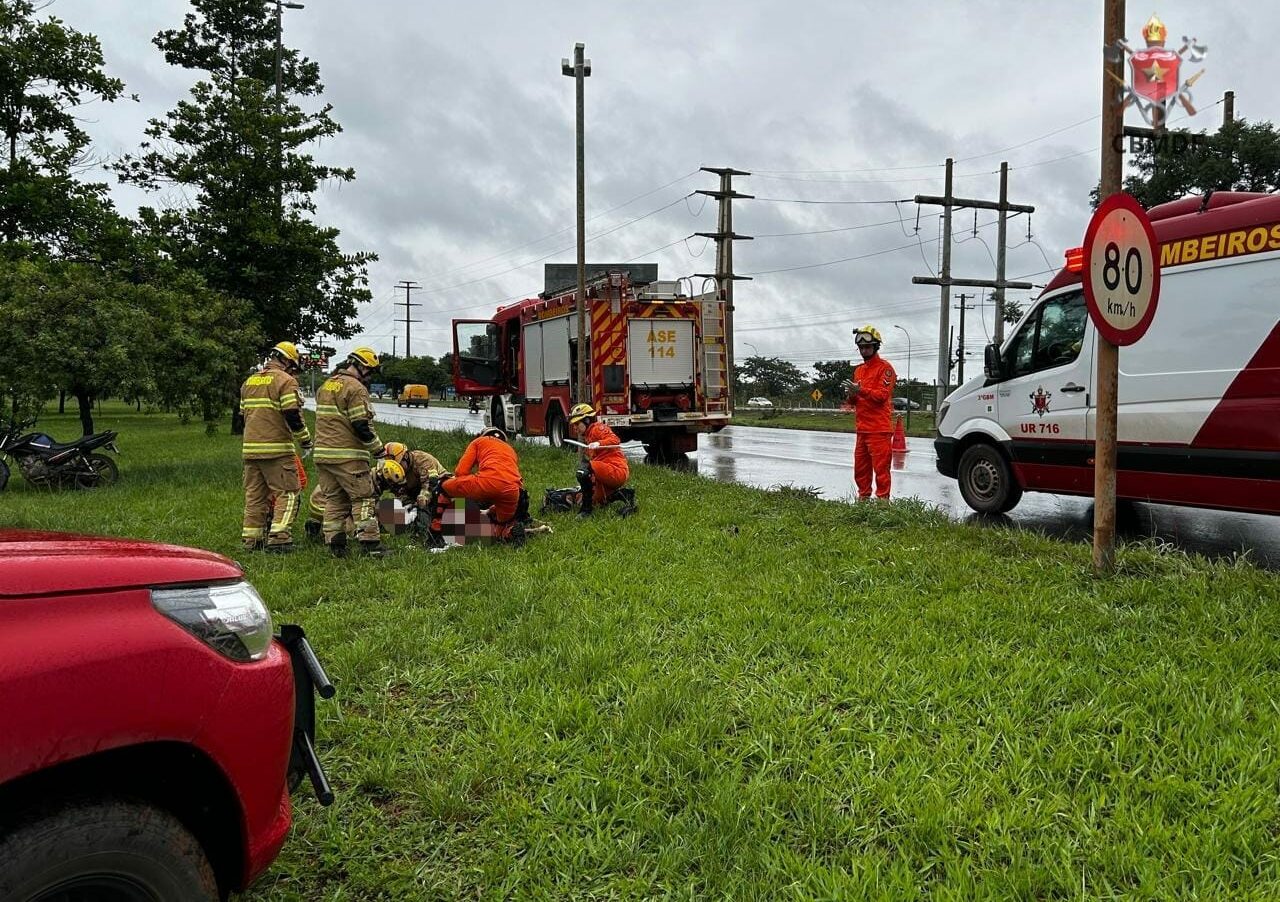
(1121, 270)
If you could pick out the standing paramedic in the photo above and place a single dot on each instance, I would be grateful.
(495, 484)
(344, 450)
(272, 424)
(605, 469)
(871, 395)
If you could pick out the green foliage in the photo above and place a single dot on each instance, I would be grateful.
(47, 70)
(398, 372)
(738, 694)
(832, 378)
(239, 155)
(1241, 156)
(768, 377)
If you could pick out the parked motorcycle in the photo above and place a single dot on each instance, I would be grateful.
(47, 463)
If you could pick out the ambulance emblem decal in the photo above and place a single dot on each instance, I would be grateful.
(1040, 401)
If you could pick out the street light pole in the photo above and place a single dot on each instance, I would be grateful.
(579, 70)
(908, 334)
(280, 7)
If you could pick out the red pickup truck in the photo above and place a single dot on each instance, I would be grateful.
(153, 722)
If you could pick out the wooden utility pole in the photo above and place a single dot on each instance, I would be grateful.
(1002, 239)
(724, 236)
(578, 71)
(408, 319)
(960, 345)
(1228, 107)
(948, 202)
(1104, 452)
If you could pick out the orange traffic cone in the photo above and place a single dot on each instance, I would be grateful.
(899, 437)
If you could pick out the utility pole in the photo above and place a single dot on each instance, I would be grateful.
(1228, 107)
(408, 319)
(948, 202)
(280, 7)
(1108, 354)
(1002, 240)
(908, 334)
(960, 346)
(724, 236)
(578, 71)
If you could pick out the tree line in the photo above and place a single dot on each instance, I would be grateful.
(172, 305)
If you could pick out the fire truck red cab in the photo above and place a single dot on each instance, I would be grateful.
(655, 362)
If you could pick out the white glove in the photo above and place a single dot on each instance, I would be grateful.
(593, 446)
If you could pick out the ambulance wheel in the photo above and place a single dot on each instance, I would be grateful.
(986, 481)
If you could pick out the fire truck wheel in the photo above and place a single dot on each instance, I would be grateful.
(556, 428)
(986, 481)
(497, 415)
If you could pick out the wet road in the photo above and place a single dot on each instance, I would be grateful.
(768, 458)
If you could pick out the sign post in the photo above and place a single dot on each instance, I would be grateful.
(816, 395)
(1121, 289)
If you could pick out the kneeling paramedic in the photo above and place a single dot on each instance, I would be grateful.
(345, 446)
(871, 395)
(495, 484)
(420, 468)
(604, 468)
(272, 424)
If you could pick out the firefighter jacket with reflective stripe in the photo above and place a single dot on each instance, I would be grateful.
(419, 469)
(491, 457)
(269, 400)
(344, 420)
(873, 406)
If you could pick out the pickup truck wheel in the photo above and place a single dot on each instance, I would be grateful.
(108, 851)
(986, 481)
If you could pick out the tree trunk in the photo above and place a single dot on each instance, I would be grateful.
(86, 411)
(62, 401)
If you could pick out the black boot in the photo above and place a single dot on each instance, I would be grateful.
(372, 549)
(338, 547)
(285, 548)
(627, 496)
(313, 530)
(587, 484)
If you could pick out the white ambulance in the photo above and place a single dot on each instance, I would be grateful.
(1199, 401)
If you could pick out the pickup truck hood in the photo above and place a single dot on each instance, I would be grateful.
(50, 563)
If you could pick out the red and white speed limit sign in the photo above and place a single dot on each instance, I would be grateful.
(1121, 269)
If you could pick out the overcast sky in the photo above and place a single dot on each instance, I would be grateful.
(460, 128)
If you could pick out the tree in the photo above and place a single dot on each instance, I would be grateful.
(1011, 310)
(832, 376)
(769, 376)
(1241, 156)
(239, 154)
(47, 70)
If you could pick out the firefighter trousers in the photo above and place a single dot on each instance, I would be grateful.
(271, 494)
(501, 496)
(347, 488)
(871, 456)
(607, 477)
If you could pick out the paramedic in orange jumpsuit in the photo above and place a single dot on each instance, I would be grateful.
(606, 468)
(496, 484)
(871, 395)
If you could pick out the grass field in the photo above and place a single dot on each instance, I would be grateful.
(823, 421)
(744, 695)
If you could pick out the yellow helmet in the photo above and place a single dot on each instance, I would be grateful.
(867, 335)
(365, 357)
(390, 472)
(396, 451)
(581, 412)
(288, 351)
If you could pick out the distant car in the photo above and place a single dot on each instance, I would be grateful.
(153, 723)
(414, 396)
(759, 402)
(905, 404)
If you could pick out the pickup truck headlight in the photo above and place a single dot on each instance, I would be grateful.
(232, 619)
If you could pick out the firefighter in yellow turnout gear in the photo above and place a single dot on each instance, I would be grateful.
(345, 447)
(272, 424)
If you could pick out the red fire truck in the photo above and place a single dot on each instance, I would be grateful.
(655, 362)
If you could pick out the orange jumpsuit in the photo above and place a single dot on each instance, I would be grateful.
(873, 412)
(609, 467)
(496, 482)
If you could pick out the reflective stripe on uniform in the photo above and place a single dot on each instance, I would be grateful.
(284, 515)
(321, 454)
(274, 448)
(252, 532)
(328, 410)
(258, 403)
(289, 399)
